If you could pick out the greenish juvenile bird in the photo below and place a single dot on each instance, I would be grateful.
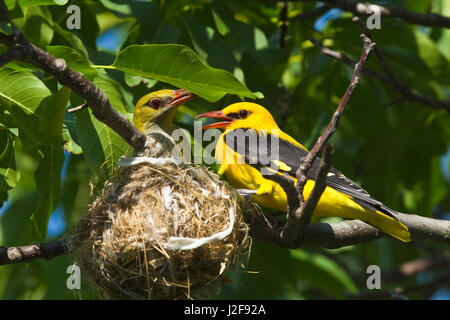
(153, 115)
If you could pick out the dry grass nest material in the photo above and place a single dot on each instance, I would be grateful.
(121, 241)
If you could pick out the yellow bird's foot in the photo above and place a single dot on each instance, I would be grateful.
(265, 188)
(246, 193)
(222, 169)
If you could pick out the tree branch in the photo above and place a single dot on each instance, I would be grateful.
(267, 228)
(28, 253)
(395, 84)
(22, 50)
(349, 232)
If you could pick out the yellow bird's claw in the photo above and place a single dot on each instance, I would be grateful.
(265, 188)
(222, 169)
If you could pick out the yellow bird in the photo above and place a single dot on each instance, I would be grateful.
(153, 115)
(260, 144)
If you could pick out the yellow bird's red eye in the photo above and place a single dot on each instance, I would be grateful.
(155, 103)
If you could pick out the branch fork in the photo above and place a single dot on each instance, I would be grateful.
(300, 210)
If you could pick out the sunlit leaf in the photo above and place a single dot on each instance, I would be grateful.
(35, 3)
(10, 4)
(22, 89)
(181, 67)
(36, 112)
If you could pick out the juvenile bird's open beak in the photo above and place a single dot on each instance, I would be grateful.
(180, 96)
(217, 115)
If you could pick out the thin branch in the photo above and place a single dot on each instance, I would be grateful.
(22, 254)
(428, 287)
(78, 108)
(283, 20)
(308, 161)
(359, 8)
(94, 96)
(395, 12)
(332, 126)
(417, 266)
(314, 13)
(392, 81)
(299, 210)
(395, 101)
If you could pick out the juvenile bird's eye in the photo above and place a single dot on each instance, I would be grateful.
(155, 103)
(243, 114)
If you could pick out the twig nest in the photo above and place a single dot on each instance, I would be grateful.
(161, 230)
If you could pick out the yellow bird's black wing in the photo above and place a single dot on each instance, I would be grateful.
(259, 150)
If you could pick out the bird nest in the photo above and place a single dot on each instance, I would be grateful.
(161, 231)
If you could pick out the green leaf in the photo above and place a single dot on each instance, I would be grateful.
(181, 67)
(48, 184)
(167, 34)
(37, 25)
(101, 145)
(37, 112)
(9, 176)
(90, 29)
(35, 3)
(123, 8)
(210, 47)
(432, 57)
(220, 24)
(22, 89)
(72, 39)
(274, 277)
(244, 36)
(323, 273)
(15, 221)
(22, 94)
(69, 144)
(145, 11)
(10, 4)
(52, 115)
(133, 81)
(75, 60)
(3, 198)
(112, 89)
(418, 50)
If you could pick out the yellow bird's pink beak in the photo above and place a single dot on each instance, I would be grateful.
(180, 97)
(216, 115)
